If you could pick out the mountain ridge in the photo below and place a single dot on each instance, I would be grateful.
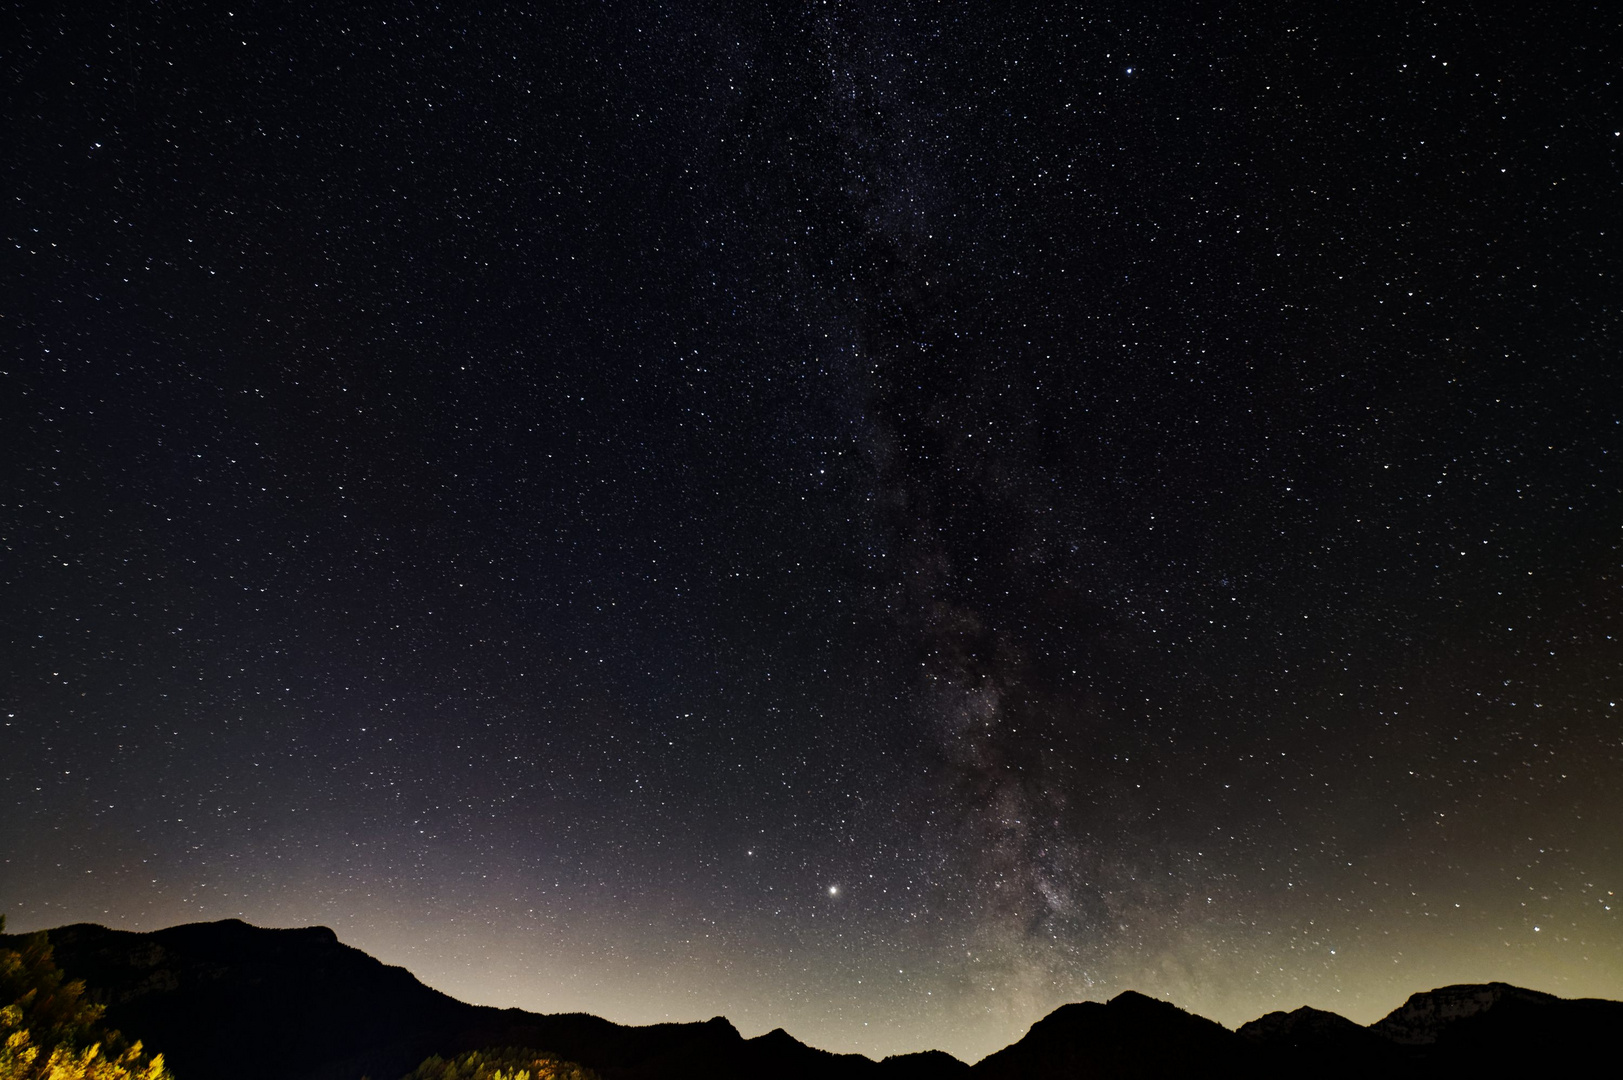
(229, 999)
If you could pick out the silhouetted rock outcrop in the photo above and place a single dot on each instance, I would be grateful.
(1499, 1029)
(1327, 1043)
(779, 1053)
(1307, 1027)
(1426, 1017)
(1130, 1036)
(925, 1065)
(228, 1000)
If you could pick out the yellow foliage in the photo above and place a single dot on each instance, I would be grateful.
(506, 1063)
(50, 1032)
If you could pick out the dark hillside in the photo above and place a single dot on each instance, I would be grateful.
(230, 1001)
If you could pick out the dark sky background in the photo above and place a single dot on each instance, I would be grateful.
(879, 518)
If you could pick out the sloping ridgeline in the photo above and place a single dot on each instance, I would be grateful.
(229, 1001)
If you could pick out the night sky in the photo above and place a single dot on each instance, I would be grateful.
(877, 518)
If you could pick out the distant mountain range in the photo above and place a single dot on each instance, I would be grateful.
(230, 1001)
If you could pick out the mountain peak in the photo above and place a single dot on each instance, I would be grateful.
(1420, 1020)
(779, 1037)
(1132, 999)
(1309, 1035)
(1132, 1034)
(204, 992)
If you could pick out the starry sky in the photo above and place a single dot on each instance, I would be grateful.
(879, 519)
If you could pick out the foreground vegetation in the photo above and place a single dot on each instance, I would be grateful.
(508, 1063)
(49, 1030)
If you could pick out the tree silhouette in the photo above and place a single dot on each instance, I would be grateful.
(49, 1030)
(505, 1063)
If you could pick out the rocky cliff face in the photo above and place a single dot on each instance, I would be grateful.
(1424, 1017)
(1495, 1029)
(1488, 1029)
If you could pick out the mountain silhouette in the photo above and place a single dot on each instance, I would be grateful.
(1129, 1036)
(1498, 1029)
(1338, 1046)
(230, 1001)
